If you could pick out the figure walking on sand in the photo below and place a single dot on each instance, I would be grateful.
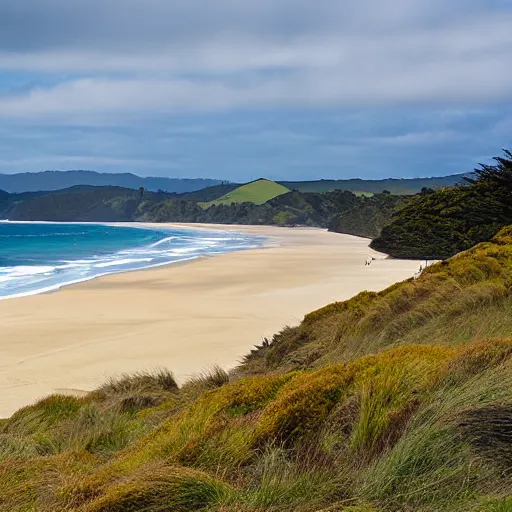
(368, 261)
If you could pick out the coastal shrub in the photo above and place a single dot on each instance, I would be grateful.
(434, 462)
(299, 481)
(447, 221)
(303, 404)
(213, 378)
(37, 484)
(142, 382)
(159, 487)
(41, 416)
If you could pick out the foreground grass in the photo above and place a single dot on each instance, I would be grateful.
(386, 402)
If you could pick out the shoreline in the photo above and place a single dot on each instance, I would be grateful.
(140, 226)
(186, 316)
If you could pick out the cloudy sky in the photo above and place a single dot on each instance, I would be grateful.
(238, 89)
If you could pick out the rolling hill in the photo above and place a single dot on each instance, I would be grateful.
(210, 193)
(56, 180)
(80, 204)
(256, 192)
(395, 186)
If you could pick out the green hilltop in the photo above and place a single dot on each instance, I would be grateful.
(257, 192)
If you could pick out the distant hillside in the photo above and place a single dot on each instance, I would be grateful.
(257, 192)
(86, 203)
(213, 189)
(55, 180)
(441, 223)
(210, 193)
(368, 216)
(82, 204)
(290, 209)
(8, 201)
(395, 186)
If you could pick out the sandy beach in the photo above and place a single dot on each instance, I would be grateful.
(184, 317)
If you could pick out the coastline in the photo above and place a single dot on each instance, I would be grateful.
(130, 258)
(186, 316)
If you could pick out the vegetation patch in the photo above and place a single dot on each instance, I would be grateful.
(256, 192)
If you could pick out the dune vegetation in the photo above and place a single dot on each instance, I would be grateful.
(392, 401)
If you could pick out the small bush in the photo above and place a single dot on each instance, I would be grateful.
(214, 378)
(303, 405)
(142, 382)
(43, 415)
(160, 487)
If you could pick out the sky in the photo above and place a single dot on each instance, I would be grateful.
(242, 89)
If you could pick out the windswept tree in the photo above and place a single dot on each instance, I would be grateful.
(499, 173)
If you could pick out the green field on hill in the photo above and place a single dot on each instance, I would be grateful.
(257, 192)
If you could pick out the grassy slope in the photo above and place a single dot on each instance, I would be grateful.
(210, 193)
(257, 192)
(391, 401)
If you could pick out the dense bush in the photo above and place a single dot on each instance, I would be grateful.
(368, 216)
(439, 224)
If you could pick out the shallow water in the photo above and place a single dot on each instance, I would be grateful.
(40, 257)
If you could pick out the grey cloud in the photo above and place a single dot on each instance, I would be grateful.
(154, 56)
(135, 24)
(138, 25)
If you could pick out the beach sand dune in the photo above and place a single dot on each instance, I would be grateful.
(183, 317)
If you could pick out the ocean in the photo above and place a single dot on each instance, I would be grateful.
(41, 257)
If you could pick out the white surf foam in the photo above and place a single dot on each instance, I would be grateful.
(180, 246)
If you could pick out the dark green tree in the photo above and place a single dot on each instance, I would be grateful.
(499, 173)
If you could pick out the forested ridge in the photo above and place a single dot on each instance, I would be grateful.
(438, 224)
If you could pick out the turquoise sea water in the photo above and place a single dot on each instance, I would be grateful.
(40, 257)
